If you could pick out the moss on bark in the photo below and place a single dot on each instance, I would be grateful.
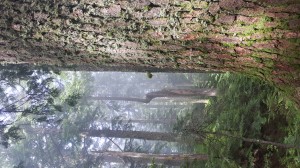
(260, 38)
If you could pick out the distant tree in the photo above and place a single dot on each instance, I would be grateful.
(129, 159)
(26, 91)
(161, 93)
(165, 159)
(143, 121)
(253, 140)
(33, 95)
(56, 144)
(145, 135)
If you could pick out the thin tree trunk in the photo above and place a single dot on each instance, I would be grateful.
(181, 93)
(258, 141)
(156, 136)
(180, 100)
(167, 106)
(166, 159)
(162, 93)
(145, 121)
(115, 98)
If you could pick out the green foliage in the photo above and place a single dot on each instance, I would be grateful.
(72, 100)
(244, 108)
(25, 92)
(149, 75)
(154, 165)
(36, 94)
(192, 164)
(251, 108)
(13, 134)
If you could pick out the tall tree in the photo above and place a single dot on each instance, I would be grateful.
(161, 93)
(26, 91)
(166, 159)
(145, 135)
(143, 121)
(259, 37)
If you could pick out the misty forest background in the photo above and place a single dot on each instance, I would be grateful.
(52, 118)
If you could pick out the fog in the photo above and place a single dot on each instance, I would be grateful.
(99, 101)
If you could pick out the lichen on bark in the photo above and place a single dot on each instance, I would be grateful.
(259, 38)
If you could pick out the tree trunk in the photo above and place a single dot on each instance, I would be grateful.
(161, 93)
(167, 106)
(166, 159)
(156, 136)
(115, 98)
(258, 141)
(145, 121)
(259, 38)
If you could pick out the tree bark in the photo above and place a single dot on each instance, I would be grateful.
(167, 106)
(115, 98)
(162, 93)
(156, 136)
(258, 141)
(166, 159)
(259, 38)
(146, 121)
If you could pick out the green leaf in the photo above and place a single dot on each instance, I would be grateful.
(58, 108)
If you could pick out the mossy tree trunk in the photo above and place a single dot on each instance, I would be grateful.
(256, 37)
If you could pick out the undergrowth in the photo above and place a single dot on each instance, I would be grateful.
(248, 108)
